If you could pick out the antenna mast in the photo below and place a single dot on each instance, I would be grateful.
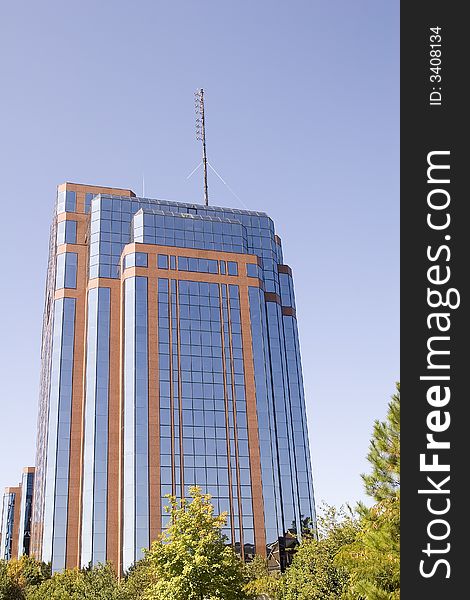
(201, 135)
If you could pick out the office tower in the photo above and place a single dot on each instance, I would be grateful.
(170, 358)
(24, 527)
(10, 522)
(15, 533)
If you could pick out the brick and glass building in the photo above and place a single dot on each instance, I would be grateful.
(10, 521)
(15, 532)
(170, 358)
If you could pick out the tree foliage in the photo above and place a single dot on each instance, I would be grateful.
(261, 582)
(191, 560)
(18, 576)
(8, 589)
(373, 559)
(98, 583)
(138, 579)
(347, 556)
(313, 574)
(383, 482)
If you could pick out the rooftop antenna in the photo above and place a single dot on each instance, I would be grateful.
(201, 135)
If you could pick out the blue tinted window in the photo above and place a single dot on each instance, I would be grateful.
(61, 233)
(162, 261)
(71, 269)
(66, 274)
(173, 262)
(252, 270)
(197, 265)
(223, 268)
(60, 202)
(88, 197)
(232, 268)
(70, 201)
(70, 232)
(140, 259)
(135, 259)
(129, 260)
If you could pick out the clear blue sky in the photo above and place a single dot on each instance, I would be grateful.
(302, 102)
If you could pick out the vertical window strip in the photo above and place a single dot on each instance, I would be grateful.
(293, 446)
(22, 524)
(52, 430)
(299, 447)
(225, 350)
(24, 530)
(234, 408)
(164, 389)
(101, 428)
(304, 419)
(89, 441)
(63, 439)
(272, 416)
(283, 417)
(12, 500)
(29, 512)
(180, 400)
(7, 526)
(174, 387)
(128, 552)
(263, 398)
(141, 418)
(60, 405)
(96, 428)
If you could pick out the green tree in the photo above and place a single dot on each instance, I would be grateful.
(101, 583)
(261, 582)
(66, 585)
(19, 576)
(383, 482)
(373, 559)
(313, 574)
(191, 560)
(138, 579)
(8, 589)
(97, 583)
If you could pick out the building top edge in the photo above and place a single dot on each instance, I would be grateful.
(236, 211)
(100, 187)
(156, 211)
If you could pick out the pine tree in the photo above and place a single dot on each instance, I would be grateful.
(373, 560)
(384, 454)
